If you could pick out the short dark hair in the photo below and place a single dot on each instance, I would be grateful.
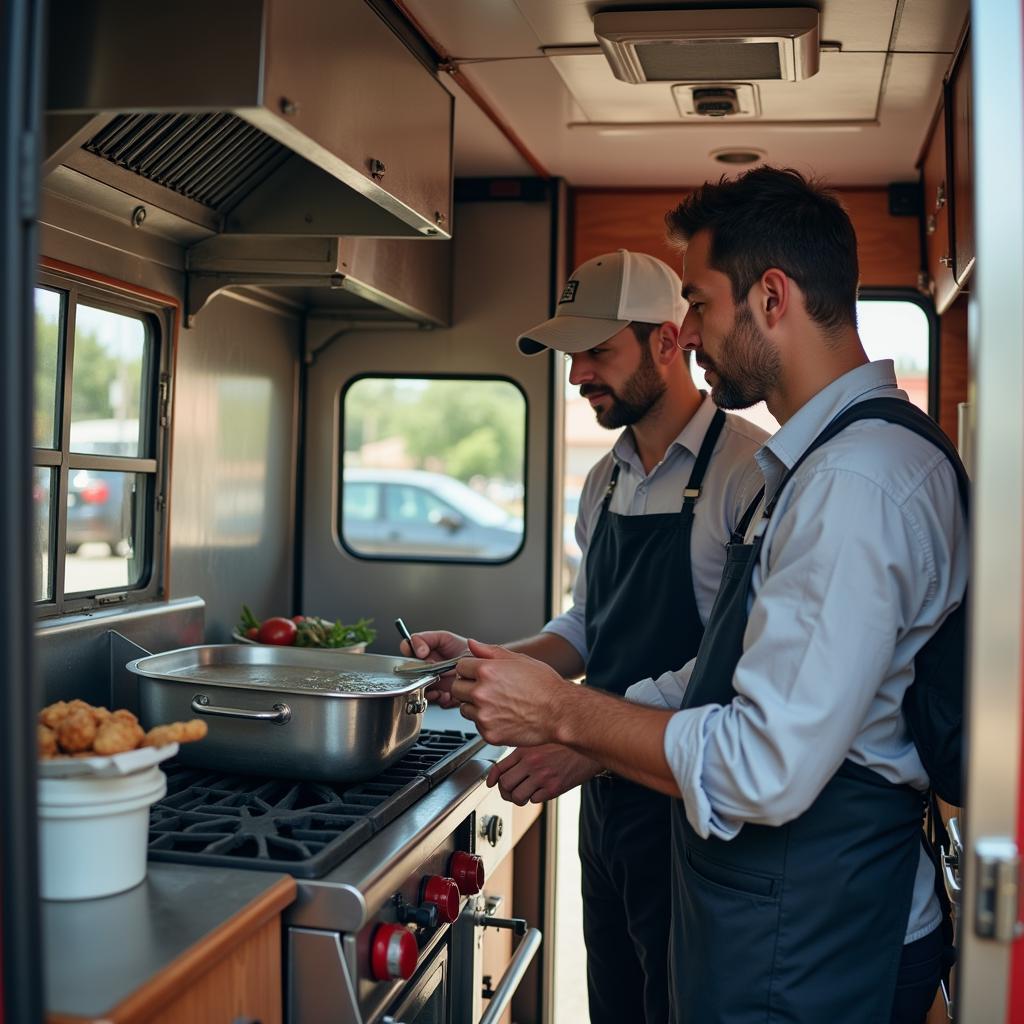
(775, 217)
(643, 331)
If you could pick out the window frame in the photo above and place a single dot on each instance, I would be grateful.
(339, 490)
(927, 306)
(158, 315)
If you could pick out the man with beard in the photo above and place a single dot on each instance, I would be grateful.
(801, 889)
(655, 516)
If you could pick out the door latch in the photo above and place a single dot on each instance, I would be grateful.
(996, 909)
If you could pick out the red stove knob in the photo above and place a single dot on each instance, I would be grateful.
(444, 894)
(468, 871)
(393, 953)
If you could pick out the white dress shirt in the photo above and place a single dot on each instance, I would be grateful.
(731, 482)
(864, 557)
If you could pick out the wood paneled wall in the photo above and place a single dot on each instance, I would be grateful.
(888, 248)
(609, 219)
(952, 365)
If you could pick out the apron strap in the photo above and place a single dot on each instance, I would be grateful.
(739, 535)
(700, 466)
(611, 489)
(894, 410)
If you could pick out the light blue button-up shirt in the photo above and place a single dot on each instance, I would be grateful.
(731, 482)
(864, 557)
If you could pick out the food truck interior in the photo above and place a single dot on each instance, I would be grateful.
(263, 268)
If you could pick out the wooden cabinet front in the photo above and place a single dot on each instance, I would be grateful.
(244, 986)
(939, 258)
(960, 163)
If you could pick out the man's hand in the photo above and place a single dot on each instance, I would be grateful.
(512, 699)
(535, 774)
(437, 645)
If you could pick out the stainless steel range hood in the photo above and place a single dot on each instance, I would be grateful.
(271, 116)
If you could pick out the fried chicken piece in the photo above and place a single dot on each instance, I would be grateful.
(100, 715)
(76, 731)
(53, 714)
(176, 732)
(117, 735)
(46, 739)
(124, 715)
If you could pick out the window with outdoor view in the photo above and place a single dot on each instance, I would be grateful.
(432, 469)
(96, 446)
(889, 328)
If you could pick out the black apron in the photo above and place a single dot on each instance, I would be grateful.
(803, 923)
(641, 620)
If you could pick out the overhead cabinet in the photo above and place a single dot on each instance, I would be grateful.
(324, 124)
(948, 180)
(941, 285)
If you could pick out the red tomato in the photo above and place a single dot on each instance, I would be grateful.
(298, 618)
(277, 631)
(252, 633)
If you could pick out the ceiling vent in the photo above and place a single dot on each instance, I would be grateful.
(779, 45)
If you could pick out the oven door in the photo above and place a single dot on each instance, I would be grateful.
(426, 999)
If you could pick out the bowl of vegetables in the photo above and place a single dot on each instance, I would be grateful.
(305, 631)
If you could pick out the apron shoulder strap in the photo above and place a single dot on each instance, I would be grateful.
(607, 500)
(739, 534)
(894, 410)
(700, 466)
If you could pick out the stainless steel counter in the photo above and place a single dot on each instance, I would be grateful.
(98, 952)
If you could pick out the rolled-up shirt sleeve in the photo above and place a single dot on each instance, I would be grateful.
(838, 591)
(664, 692)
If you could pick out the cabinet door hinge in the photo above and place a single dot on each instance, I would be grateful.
(996, 910)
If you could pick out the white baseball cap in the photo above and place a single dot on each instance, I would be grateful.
(604, 295)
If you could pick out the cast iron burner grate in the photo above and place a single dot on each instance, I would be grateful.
(302, 828)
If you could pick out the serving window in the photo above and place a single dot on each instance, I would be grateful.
(892, 324)
(99, 412)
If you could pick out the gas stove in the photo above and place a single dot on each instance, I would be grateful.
(390, 873)
(302, 828)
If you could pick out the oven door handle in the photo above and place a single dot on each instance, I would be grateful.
(525, 952)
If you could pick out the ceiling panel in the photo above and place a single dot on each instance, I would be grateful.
(927, 25)
(671, 154)
(857, 24)
(845, 89)
(481, 150)
(476, 28)
(536, 103)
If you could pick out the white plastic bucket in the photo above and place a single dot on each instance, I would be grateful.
(93, 833)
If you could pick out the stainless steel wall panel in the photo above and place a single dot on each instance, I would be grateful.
(74, 654)
(233, 479)
(502, 275)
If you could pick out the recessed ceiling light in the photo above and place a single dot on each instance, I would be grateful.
(738, 156)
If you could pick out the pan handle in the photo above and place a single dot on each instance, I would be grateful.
(201, 706)
(415, 706)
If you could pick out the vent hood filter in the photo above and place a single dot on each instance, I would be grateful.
(210, 158)
(710, 46)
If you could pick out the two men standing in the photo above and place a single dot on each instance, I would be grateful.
(655, 516)
(801, 892)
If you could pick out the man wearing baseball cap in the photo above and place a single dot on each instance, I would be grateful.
(655, 516)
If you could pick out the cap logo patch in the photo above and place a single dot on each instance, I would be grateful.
(569, 293)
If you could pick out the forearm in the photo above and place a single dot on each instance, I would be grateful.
(625, 738)
(553, 650)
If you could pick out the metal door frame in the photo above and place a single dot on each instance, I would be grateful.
(21, 25)
(997, 581)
